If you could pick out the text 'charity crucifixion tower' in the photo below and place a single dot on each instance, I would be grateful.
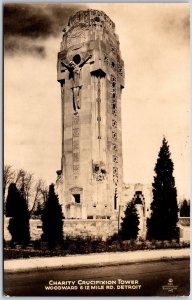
(91, 75)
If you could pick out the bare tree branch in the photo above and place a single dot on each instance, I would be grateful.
(24, 180)
(40, 194)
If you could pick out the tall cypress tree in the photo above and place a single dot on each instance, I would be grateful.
(11, 202)
(130, 223)
(52, 219)
(162, 225)
(17, 210)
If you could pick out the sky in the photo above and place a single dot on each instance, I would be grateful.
(154, 43)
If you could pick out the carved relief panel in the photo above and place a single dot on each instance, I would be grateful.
(99, 171)
(77, 36)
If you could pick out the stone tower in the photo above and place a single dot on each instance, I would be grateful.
(91, 75)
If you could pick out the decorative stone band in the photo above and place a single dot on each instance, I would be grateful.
(75, 145)
(114, 130)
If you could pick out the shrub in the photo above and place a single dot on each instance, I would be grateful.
(130, 222)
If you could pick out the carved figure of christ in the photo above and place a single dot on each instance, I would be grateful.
(74, 73)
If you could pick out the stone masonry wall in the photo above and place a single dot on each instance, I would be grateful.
(7, 235)
(35, 229)
(95, 228)
(83, 228)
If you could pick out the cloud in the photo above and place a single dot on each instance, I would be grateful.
(177, 27)
(31, 22)
(24, 46)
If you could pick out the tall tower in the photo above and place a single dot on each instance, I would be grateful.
(91, 75)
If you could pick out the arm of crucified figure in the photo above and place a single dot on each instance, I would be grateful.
(84, 62)
(66, 66)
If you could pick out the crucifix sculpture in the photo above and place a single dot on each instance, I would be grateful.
(74, 69)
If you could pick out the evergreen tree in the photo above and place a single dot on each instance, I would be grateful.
(185, 209)
(130, 225)
(162, 225)
(11, 203)
(17, 210)
(52, 219)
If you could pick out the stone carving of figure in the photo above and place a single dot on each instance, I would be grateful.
(74, 73)
(99, 171)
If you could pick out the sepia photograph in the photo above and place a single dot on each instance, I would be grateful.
(96, 179)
